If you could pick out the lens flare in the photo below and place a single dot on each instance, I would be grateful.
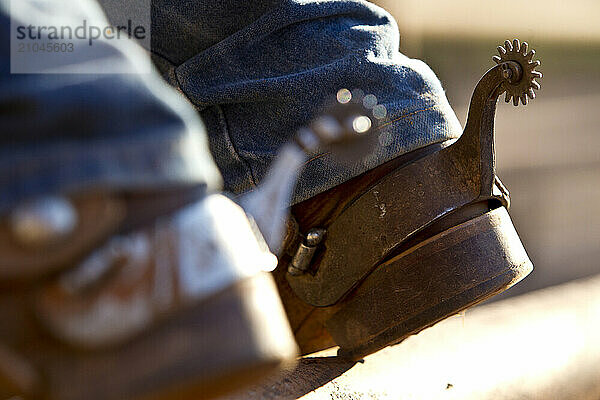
(344, 96)
(361, 124)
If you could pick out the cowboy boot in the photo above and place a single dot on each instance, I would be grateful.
(397, 249)
(156, 295)
(178, 307)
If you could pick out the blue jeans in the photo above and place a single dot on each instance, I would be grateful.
(74, 132)
(254, 71)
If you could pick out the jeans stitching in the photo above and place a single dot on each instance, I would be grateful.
(234, 150)
(314, 158)
(406, 116)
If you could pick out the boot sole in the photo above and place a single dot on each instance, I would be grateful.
(439, 277)
(244, 338)
(232, 339)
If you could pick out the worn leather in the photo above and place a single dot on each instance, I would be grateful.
(99, 215)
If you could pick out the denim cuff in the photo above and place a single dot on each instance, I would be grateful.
(257, 86)
(402, 134)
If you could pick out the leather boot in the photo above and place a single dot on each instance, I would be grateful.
(114, 297)
(420, 238)
(158, 295)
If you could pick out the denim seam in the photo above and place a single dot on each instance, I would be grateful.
(184, 92)
(406, 116)
(224, 127)
(227, 136)
(156, 53)
(314, 158)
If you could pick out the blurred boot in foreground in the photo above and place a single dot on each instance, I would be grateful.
(181, 307)
(122, 274)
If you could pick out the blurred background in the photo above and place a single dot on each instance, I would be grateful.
(548, 153)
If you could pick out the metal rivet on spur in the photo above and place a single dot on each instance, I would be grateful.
(43, 221)
(304, 254)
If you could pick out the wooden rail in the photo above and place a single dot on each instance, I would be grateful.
(541, 345)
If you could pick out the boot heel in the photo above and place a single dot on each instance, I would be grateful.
(232, 339)
(439, 277)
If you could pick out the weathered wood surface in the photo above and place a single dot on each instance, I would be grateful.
(542, 345)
